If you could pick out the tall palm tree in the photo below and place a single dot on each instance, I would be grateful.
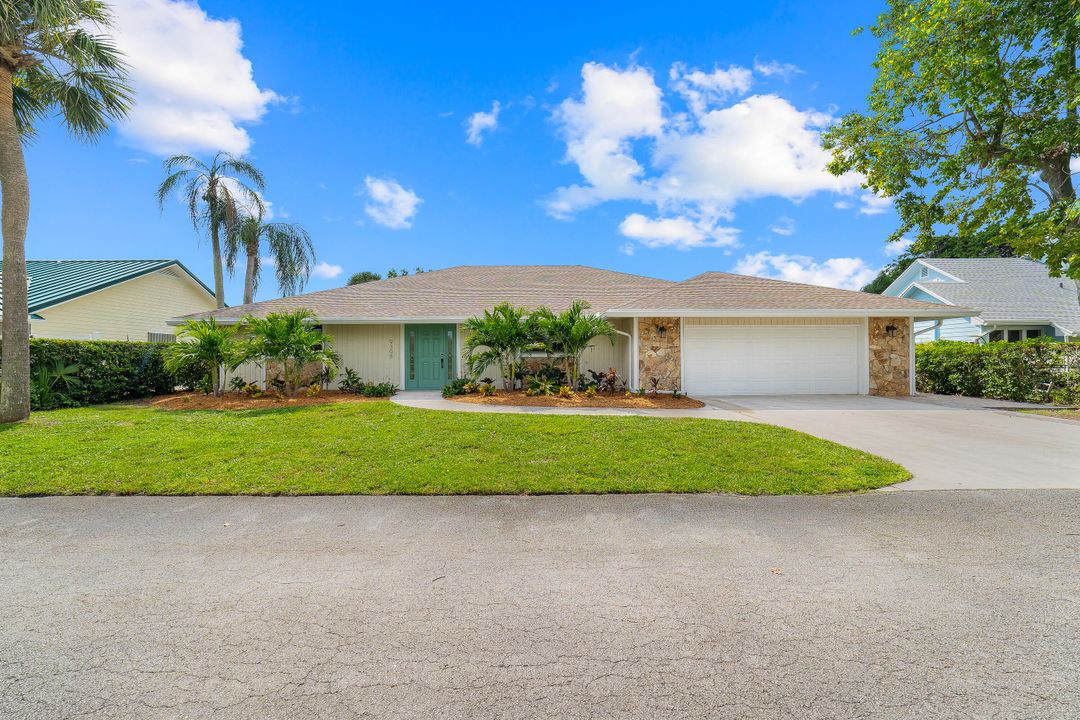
(569, 333)
(499, 336)
(53, 59)
(216, 196)
(290, 247)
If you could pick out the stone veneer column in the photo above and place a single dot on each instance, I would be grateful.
(660, 357)
(890, 356)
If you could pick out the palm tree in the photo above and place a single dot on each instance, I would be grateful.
(51, 62)
(291, 341)
(204, 344)
(290, 249)
(499, 337)
(569, 333)
(216, 196)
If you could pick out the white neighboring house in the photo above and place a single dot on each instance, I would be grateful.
(1017, 299)
(111, 299)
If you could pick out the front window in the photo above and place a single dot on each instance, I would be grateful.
(450, 353)
(1034, 333)
(996, 336)
(1016, 335)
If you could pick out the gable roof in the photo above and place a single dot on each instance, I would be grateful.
(1007, 290)
(56, 281)
(727, 293)
(459, 292)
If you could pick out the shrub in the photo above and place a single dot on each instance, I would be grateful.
(1037, 370)
(352, 383)
(540, 385)
(108, 371)
(456, 386)
(487, 390)
(590, 392)
(565, 391)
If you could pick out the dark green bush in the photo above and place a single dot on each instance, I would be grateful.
(456, 387)
(1038, 370)
(108, 371)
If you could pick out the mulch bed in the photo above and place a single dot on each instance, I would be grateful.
(518, 397)
(239, 401)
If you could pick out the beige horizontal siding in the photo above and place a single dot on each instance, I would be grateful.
(775, 321)
(602, 355)
(373, 351)
(127, 311)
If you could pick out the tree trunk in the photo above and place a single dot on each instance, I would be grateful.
(215, 247)
(15, 189)
(249, 273)
(1056, 173)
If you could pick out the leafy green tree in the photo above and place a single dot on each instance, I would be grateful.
(499, 337)
(365, 276)
(53, 60)
(205, 344)
(217, 197)
(289, 340)
(943, 246)
(568, 334)
(289, 246)
(972, 121)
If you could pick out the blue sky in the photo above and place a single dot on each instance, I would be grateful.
(628, 137)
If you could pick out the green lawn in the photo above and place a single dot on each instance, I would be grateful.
(383, 448)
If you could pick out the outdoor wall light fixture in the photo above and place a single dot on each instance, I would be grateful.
(891, 330)
(661, 331)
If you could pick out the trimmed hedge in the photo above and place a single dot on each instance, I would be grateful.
(108, 370)
(1038, 370)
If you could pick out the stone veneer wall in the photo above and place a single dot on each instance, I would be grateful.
(660, 357)
(890, 356)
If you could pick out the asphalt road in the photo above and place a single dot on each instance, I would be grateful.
(884, 605)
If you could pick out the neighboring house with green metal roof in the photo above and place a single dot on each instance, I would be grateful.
(111, 299)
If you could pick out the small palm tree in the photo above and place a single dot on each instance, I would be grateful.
(291, 341)
(499, 337)
(52, 61)
(216, 196)
(569, 333)
(290, 248)
(204, 343)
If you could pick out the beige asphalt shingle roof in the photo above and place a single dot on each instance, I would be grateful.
(460, 292)
(729, 292)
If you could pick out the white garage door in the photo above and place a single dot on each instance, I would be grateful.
(771, 359)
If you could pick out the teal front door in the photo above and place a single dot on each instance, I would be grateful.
(429, 356)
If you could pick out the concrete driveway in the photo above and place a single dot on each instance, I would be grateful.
(947, 443)
(880, 605)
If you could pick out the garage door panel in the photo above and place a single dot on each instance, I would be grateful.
(771, 359)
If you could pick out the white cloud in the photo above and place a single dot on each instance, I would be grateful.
(897, 248)
(777, 68)
(783, 226)
(701, 89)
(616, 107)
(390, 204)
(326, 271)
(873, 204)
(846, 273)
(194, 87)
(842, 205)
(678, 232)
(481, 122)
(628, 145)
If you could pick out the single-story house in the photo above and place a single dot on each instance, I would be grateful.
(714, 334)
(1015, 298)
(111, 299)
